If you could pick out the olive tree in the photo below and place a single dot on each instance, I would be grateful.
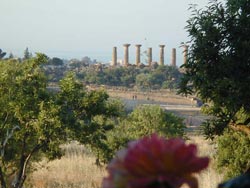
(29, 119)
(88, 114)
(35, 121)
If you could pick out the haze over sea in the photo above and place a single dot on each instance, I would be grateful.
(106, 56)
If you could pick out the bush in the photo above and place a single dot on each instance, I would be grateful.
(144, 120)
(233, 153)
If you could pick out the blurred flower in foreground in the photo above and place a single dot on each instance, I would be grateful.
(155, 162)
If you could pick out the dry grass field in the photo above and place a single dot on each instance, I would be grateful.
(162, 96)
(208, 178)
(77, 168)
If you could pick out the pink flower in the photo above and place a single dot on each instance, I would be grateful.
(155, 162)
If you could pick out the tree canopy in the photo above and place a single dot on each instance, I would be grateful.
(29, 121)
(166, 77)
(35, 121)
(218, 67)
(218, 71)
(55, 61)
(27, 54)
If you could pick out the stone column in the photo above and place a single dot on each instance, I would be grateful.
(149, 57)
(161, 62)
(126, 54)
(185, 53)
(114, 56)
(138, 54)
(173, 59)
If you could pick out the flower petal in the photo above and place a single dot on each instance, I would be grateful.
(154, 161)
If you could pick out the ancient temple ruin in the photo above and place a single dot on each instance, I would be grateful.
(149, 56)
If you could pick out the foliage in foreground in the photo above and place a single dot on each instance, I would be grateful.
(29, 123)
(233, 153)
(218, 70)
(34, 122)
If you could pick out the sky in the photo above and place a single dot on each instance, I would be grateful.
(78, 28)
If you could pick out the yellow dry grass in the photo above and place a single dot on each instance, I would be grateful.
(77, 169)
(208, 178)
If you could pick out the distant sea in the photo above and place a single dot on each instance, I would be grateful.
(105, 56)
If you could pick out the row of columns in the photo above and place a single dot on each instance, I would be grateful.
(149, 54)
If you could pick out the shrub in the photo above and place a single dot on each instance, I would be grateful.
(233, 153)
(144, 120)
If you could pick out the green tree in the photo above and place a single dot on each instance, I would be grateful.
(150, 119)
(27, 54)
(90, 114)
(112, 77)
(218, 66)
(143, 81)
(131, 76)
(11, 56)
(55, 61)
(34, 121)
(233, 153)
(166, 77)
(218, 60)
(144, 120)
(29, 125)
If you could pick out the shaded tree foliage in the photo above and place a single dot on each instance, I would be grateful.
(218, 71)
(233, 153)
(55, 61)
(29, 123)
(218, 66)
(34, 121)
(2, 54)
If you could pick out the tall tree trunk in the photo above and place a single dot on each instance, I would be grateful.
(20, 177)
(24, 161)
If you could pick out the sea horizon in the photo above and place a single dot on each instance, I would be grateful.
(100, 56)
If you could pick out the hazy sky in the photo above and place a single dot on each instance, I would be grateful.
(68, 28)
